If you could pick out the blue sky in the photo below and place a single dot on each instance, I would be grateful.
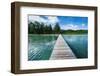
(65, 22)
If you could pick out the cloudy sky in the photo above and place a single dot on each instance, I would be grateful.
(65, 22)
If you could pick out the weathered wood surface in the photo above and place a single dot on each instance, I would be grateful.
(62, 50)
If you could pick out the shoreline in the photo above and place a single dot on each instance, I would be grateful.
(56, 34)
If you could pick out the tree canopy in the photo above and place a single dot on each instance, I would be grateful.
(41, 28)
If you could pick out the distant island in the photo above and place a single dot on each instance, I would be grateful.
(74, 31)
(41, 28)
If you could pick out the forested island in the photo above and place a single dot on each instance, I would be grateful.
(41, 28)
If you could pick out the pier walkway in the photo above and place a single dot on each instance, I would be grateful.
(62, 50)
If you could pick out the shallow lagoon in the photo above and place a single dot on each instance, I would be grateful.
(40, 47)
(78, 44)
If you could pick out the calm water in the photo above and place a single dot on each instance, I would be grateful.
(78, 44)
(40, 47)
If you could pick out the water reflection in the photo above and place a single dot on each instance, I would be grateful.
(78, 44)
(40, 46)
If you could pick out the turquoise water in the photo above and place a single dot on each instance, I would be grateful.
(40, 46)
(78, 44)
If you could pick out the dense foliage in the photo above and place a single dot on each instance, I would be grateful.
(74, 31)
(41, 28)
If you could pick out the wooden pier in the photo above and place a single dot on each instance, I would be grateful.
(62, 50)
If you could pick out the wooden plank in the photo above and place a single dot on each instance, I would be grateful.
(62, 50)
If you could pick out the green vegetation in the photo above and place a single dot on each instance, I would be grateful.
(41, 28)
(74, 31)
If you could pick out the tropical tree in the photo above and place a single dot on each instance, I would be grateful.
(57, 28)
(41, 28)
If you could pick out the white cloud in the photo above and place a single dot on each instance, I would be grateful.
(83, 25)
(52, 19)
(48, 20)
(37, 18)
(70, 26)
(73, 27)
